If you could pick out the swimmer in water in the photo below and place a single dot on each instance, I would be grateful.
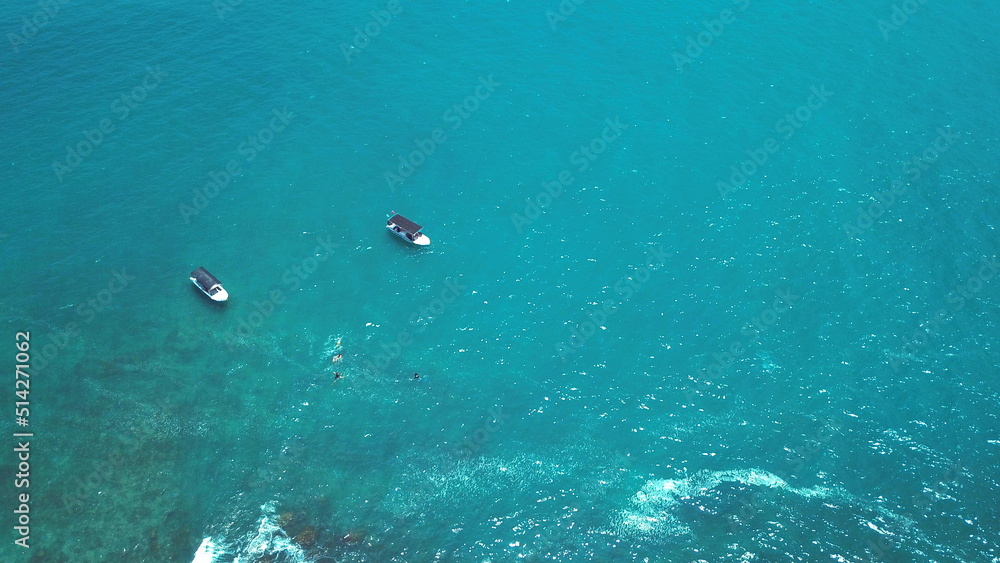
(337, 358)
(337, 376)
(416, 376)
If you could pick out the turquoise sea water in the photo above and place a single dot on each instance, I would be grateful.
(709, 281)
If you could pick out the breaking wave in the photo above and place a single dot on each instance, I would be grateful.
(267, 540)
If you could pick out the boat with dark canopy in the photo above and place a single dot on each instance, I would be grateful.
(209, 285)
(407, 230)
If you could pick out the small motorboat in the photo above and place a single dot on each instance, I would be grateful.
(407, 230)
(209, 285)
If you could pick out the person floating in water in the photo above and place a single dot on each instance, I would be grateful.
(337, 376)
(337, 358)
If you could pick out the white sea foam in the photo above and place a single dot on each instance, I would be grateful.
(208, 552)
(652, 511)
(268, 539)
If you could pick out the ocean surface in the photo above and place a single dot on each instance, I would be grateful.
(708, 281)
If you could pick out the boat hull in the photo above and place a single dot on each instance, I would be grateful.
(420, 240)
(220, 296)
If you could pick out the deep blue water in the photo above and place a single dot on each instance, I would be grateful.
(708, 281)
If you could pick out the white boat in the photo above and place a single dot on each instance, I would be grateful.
(407, 230)
(209, 285)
